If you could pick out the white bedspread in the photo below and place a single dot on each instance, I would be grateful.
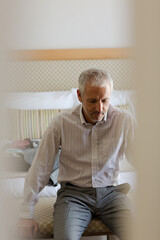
(13, 188)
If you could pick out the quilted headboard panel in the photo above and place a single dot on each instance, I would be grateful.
(43, 76)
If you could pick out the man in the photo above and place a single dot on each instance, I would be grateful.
(93, 138)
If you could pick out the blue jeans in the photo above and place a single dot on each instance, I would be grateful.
(75, 207)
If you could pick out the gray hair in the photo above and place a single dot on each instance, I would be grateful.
(97, 78)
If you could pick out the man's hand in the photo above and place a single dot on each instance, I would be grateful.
(27, 228)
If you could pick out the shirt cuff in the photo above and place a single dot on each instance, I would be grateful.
(26, 212)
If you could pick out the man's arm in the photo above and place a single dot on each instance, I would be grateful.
(37, 177)
(130, 137)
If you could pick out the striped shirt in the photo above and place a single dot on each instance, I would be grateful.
(90, 154)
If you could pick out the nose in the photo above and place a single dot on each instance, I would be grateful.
(99, 106)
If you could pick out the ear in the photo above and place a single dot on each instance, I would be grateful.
(79, 95)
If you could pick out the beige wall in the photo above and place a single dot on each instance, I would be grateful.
(148, 140)
(61, 24)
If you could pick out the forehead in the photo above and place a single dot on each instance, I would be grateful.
(97, 91)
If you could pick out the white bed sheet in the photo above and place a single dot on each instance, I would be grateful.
(128, 177)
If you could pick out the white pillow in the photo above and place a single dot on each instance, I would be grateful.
(41, 100)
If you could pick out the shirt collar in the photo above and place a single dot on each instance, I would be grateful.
(83, 121)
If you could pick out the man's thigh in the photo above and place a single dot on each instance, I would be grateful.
(71, 217)
(117, 213)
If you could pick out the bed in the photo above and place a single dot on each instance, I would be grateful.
(29, 114)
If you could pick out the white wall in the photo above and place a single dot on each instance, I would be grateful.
(53, 24)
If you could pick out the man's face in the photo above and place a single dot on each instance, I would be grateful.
(95, 102)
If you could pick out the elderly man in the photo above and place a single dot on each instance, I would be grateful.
(93, 138)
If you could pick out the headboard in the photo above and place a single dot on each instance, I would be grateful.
(58, 70)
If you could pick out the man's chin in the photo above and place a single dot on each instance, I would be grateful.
(97, 119)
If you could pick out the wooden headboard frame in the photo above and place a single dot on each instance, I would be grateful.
(71, 54)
